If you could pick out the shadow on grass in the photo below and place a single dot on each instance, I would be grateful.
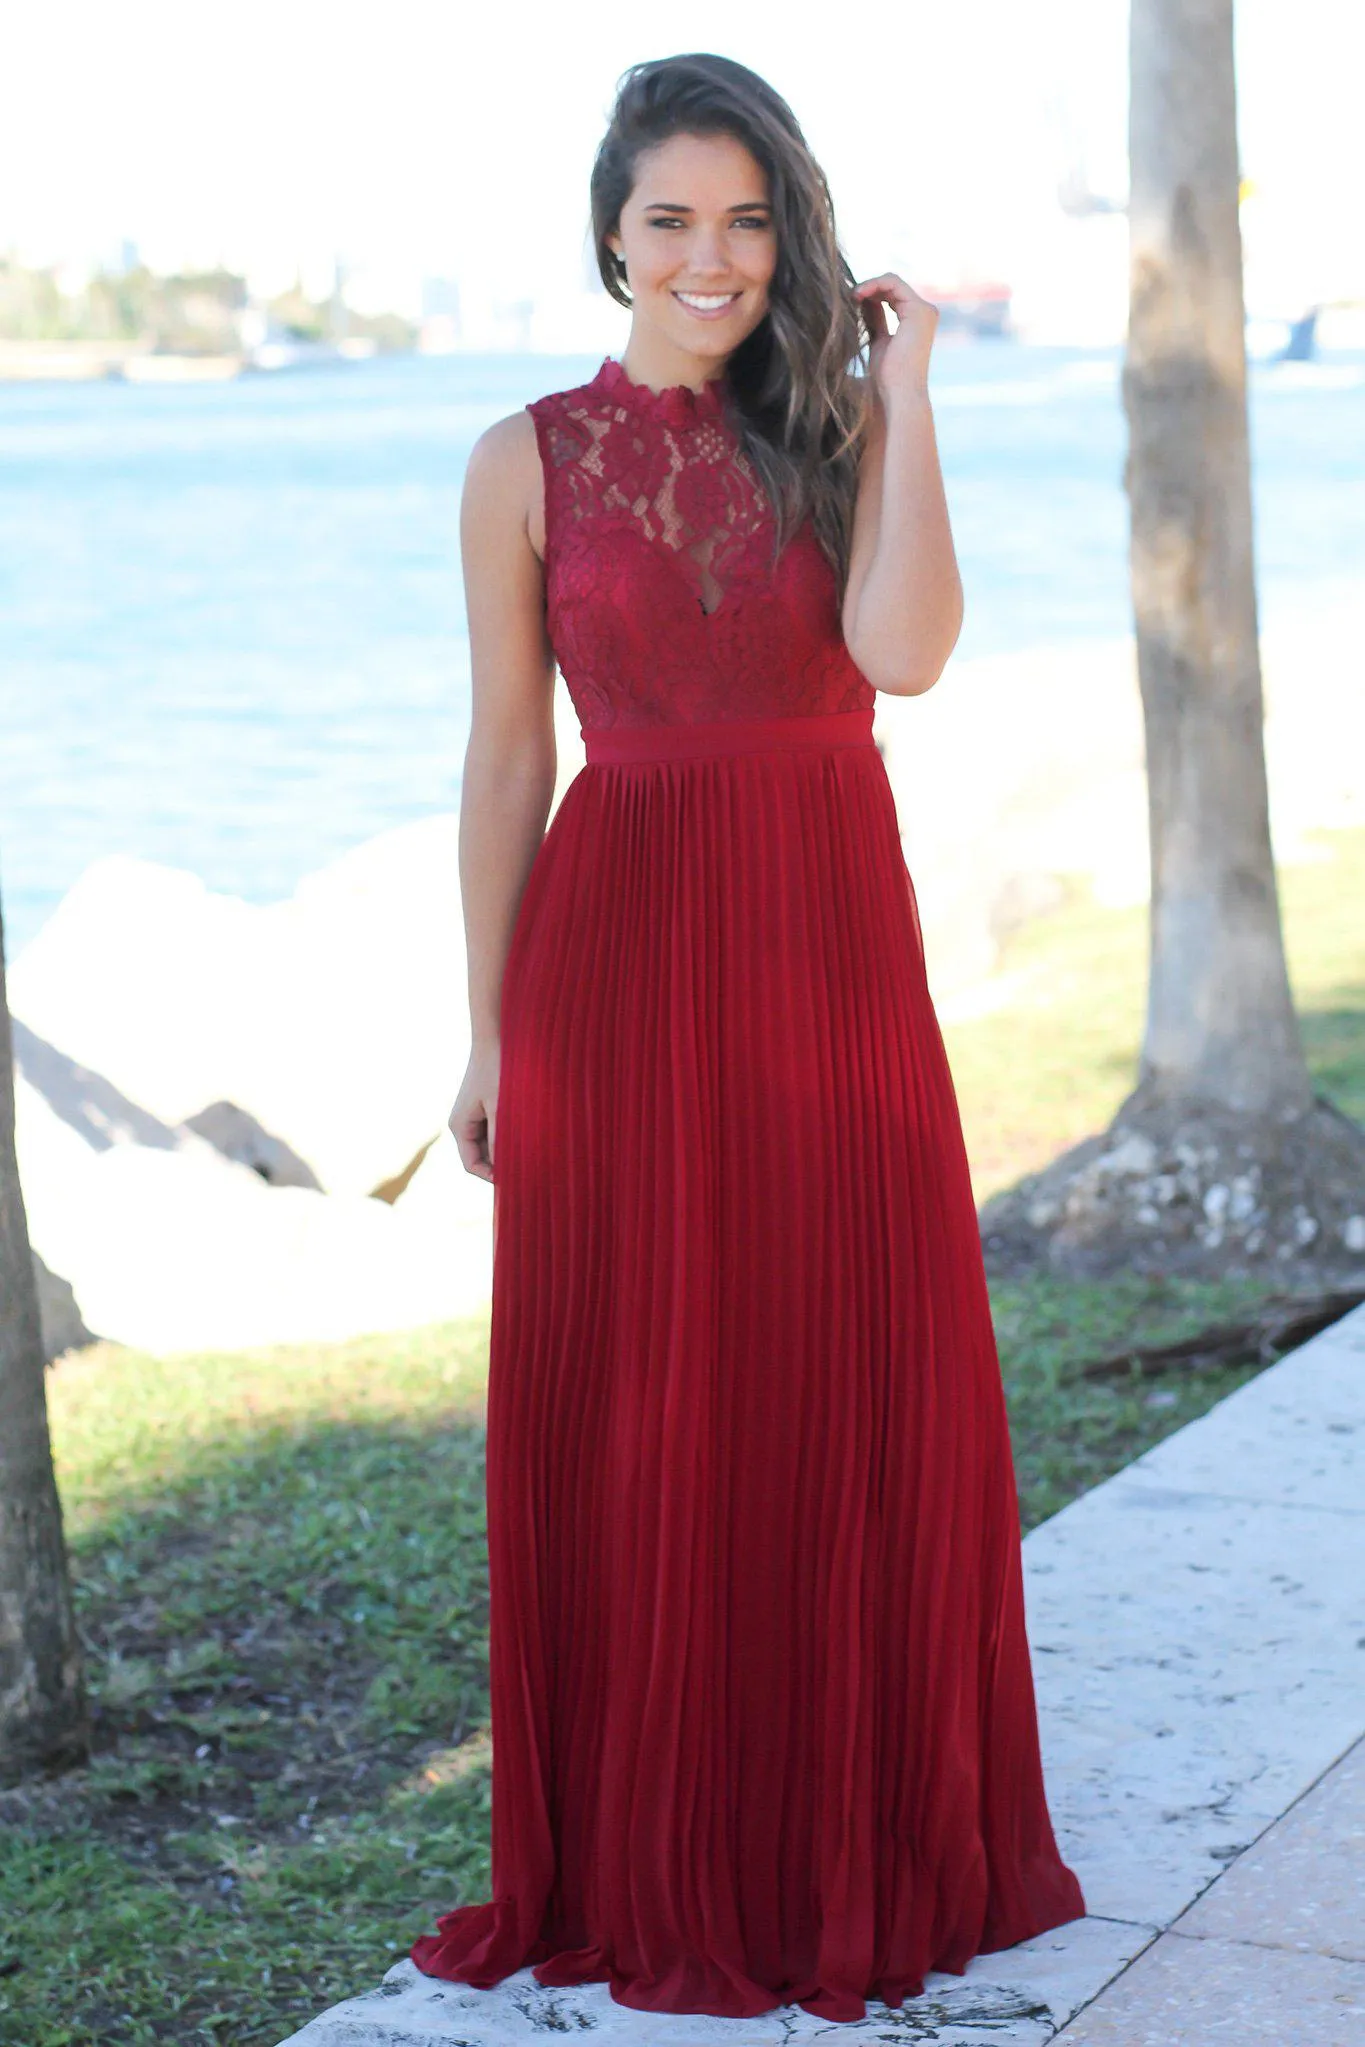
(287, 1656)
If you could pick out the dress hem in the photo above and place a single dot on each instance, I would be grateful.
(564, 1968)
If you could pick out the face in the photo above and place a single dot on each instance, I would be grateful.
(699, 243)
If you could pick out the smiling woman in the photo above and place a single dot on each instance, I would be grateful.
(714, 277)
(762, 1713)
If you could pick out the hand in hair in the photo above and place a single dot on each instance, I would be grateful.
(899, 360)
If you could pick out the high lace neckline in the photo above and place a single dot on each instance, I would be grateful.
(676, 404)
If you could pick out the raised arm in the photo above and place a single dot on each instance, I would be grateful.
(510, 761)
(903, 605)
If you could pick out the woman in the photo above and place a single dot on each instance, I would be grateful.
(763, 1720)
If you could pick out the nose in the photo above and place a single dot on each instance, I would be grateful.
(708, 254)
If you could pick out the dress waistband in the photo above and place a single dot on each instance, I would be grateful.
(614, 744)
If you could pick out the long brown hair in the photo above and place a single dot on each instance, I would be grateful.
(802, 410)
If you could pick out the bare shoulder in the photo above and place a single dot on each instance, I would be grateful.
(503, 483)
(508, 439)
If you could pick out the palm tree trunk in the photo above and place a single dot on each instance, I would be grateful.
(43, 1715)
(1222, 1161)
(1220, 1027)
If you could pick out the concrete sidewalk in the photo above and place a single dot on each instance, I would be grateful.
(1198, 1629)
(1272, 1953)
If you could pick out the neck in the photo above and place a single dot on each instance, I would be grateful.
(648, 358)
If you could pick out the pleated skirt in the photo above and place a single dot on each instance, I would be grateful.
(763, 1723)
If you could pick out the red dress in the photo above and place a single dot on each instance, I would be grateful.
(763, 1720)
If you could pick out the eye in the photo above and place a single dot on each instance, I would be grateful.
(752, 220)
(666, 220)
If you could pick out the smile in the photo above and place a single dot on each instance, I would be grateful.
(707, 304)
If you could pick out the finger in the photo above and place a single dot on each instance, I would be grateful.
(893, 290)
(477, 1159)
(468, 1134)
(874, 318)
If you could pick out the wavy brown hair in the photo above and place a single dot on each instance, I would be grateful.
(801, 406)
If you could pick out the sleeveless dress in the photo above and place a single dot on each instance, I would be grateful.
(763, 1723)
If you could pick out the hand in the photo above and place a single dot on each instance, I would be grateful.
(473, 1120)
(900, 361)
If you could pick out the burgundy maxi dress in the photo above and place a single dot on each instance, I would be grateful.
(763, 1721)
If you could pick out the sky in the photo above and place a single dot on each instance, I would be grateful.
(455, 140)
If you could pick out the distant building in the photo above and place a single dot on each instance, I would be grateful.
(980, 310)
(439, 330)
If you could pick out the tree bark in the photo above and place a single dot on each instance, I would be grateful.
(43, 1714)
(1221, 1027)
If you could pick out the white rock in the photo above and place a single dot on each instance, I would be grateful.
(1132, 1155)
(63, 1326)
(1031, 764)
(988, 826)
(173, 1248)
(230, 1130)
(337, 1018)
(442, 1195)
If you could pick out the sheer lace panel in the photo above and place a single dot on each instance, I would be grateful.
(663, 601)
(674, 469)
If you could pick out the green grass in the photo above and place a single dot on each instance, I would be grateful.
(1051, 1068)
(280, 1570)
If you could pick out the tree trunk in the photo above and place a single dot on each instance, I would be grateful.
(1220, 1027)
(1222, 1162)
(43, 1714)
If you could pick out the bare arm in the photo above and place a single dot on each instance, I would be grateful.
(510, 762)
(903, 606)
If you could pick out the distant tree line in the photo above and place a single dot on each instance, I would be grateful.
(189, 313)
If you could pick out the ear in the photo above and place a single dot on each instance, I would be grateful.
(613, 241)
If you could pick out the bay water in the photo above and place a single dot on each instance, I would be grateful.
(231, 620)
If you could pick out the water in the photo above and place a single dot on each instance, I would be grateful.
(231, 622)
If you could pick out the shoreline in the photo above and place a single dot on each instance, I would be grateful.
(138, 362)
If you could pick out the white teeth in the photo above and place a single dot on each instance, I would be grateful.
(706, 304)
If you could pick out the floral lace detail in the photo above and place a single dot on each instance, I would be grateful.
(662, 600)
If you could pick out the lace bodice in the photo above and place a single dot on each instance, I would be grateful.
(663, 603)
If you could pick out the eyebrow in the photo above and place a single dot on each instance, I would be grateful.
(673, 206)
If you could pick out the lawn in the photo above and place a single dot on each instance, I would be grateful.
(280, 1569)
(1054, 1065)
